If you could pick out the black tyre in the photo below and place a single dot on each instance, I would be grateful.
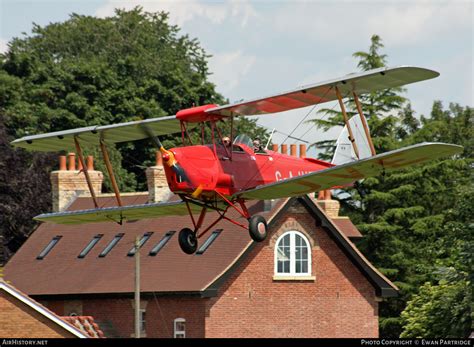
(257, 228)
(188, 241)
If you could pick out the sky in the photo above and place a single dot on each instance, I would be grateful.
(265, 47)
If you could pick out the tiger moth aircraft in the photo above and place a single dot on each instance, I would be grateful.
(224, 175)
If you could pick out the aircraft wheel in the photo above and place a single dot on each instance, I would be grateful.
(257, 228)
(188, 241)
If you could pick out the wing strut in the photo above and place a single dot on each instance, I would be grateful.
(86, 172)
(364, 124)
(110, 171)
(346, 121)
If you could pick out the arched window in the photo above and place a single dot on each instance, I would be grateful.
(292, 255)
(179, 328)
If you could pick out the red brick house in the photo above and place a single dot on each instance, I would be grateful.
(307, 279)
(23, 317)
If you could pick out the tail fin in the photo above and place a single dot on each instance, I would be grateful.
(344, 152)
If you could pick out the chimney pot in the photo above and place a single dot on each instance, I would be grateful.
(284, 149)
(321, 195)
(275, 147)
(327, 194)
(90, 163)
(158, 158)
(62, 163)
(79, 165)
(72, 162)
(293, 150)
(302, 150)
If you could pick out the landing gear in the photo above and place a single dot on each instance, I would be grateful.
(257, 228)
(188, 241)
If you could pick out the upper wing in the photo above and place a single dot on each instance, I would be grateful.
(364, 82)
(118, 214)
(350, 172)
(90, 136)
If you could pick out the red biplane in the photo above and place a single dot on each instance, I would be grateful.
(220, 176)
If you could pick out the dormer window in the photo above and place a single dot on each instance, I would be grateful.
(292, 255)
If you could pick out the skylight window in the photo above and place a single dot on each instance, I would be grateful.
(49, 247)
(91, 245)
(111, 245)
(209, 241)
(154, 251)
(142, 241)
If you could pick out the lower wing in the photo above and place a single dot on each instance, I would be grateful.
(119, 214)
(351, 172)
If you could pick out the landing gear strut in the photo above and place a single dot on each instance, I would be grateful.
(188, 239)
(257, 228)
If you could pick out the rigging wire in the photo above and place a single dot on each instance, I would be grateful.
(269, 163)
(162, 315)
(274, 130)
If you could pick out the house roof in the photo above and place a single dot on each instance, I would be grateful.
(25, 299)
(86, 324)
(170, 271)
(347, 227)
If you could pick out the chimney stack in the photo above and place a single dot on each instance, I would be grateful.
(330, 206)
(68, 183)
(158, 189)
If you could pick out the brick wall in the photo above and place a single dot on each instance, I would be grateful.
(115, 316)
(18, 320)
(340, 302)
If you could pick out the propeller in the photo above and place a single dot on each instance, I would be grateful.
(168, 156)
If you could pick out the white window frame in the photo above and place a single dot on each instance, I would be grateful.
(292, 272)
(179, 333)
(142, 320)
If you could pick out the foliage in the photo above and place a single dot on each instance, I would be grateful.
(24, 191)
(428, 313)
(416, 221)
(408, 218)
(89, 70)
(444, 308)
(377, 106)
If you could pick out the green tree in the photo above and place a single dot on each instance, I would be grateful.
(87, 70)
(443, 306)
(25, 190)
(403, 215)
(376, 105)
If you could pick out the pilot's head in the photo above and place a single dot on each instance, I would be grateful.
(226, 141)
(256, 143)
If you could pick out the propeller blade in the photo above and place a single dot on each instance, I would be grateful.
(171, 162)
